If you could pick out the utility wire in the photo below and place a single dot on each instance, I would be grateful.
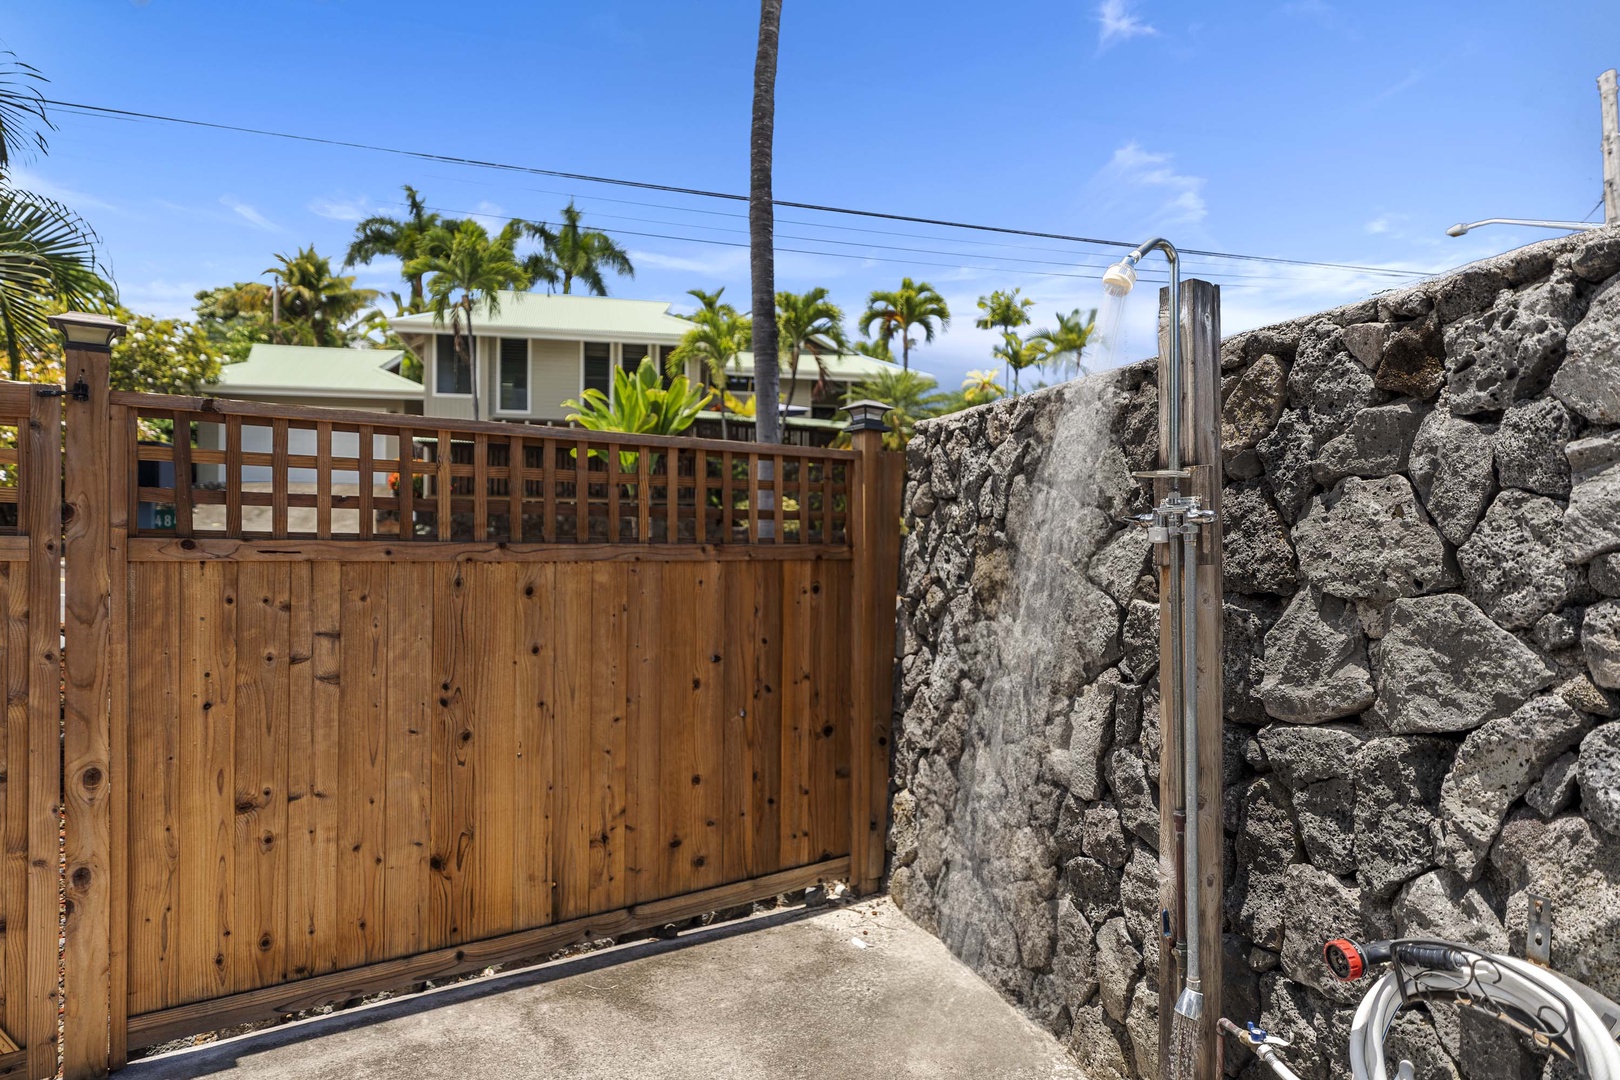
(451, 159)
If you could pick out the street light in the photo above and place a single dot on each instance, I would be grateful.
(866, 415)
(87, 331)
(1535, 223)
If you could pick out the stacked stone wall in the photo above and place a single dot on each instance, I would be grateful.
(1422, 624)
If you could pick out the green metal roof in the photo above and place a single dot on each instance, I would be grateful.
(577, 317)
(845, 367)
(304, 370)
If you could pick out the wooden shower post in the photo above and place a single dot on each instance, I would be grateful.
(1201, 448)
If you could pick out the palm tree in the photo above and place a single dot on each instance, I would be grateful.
(807, 322)
(762, 225)
(897, 311)
(1017, 354)
(1004, 311)
(47, 253)
(981, 386)
(718, 336)
(22, 111)
(312, 295)
(379, 235)
(1064, 345)
(570, 252)
(910, 397)
(476, 265)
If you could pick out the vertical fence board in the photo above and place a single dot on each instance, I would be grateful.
(708, 724)
(676, 719)
(322, 769)
(534, 715)
(154, 798)
(575, 613)
(408, 719)
(797, 644)
(644, 842)
(14, 793)
(495, 592)
(297, 936)
(609, 768)
(765, 714)
(362, 769)
(741, 657)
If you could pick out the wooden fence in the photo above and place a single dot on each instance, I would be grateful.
(353, 700)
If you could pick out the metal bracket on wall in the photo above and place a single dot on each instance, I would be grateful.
(1538, 931)
(79, 392)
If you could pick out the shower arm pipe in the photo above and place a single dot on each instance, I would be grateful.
(1173, 392)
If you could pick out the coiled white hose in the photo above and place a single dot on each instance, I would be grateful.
(1513, 982)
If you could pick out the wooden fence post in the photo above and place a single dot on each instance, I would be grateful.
(90, 783)
(1200, 317)
(874, 537)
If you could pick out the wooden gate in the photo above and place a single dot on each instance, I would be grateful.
(359, 699)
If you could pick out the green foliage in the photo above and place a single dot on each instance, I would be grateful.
(1060, 348)
(569, 253)
(157, 356)
(897, 311)
(980, 387)
(808, 323)
(47, 257)
(1003, 310)
(640, 405)
(911, 397)
(405, 240)
(718, 336)
(318, 307)
(22, 110)
(1017, 354)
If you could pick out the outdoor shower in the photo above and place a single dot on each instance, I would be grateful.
(1182, 527)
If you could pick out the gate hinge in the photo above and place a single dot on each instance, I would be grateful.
(80, 391)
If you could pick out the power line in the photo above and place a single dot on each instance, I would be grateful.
(451, 159)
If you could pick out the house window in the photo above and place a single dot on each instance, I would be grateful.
(740, 384)
(826, 399)
(453, 372)
(631, 356)
(669, 373)
(514, 375)
(599, 366)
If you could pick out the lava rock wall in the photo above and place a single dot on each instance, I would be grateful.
(1422, 623)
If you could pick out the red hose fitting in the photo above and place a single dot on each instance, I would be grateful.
(1344, 958)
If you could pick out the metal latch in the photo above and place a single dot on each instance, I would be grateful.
(79, 392)
(1538, 931)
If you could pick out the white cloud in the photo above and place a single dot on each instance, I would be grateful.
(1378, 225)
(248, 214)
(341, 209)
(1116, 23)
(713, 262)
(25, 180)
(1132, 167)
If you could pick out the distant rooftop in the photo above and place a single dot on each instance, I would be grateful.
(315, 372)
(844, 367)
(574, 317)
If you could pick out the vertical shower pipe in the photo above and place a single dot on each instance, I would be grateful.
(1197, 330)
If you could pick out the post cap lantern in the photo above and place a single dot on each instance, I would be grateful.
(866, 415)
(86, 330)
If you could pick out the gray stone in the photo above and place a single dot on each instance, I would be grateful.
(1139, 895)
(1603, 573)
(1119, 562)
(1592, 454)
(1397, 798)
(1558, 630)
(1327, 824)
(1468, 291)
(1245, 622)
(1327, 381)
(1513, 564)
(1600, 641)
(1370, 540)
(1577, 866)
(1495, 766)
(1598, 258)
(1254, 404)
(1316, 661)
(1582, 694)
(1377, 442)
(1440, 905)
(1530, 447)
(1444, 666)
(1138, 802)
(1265, 845)
(1141, 655)
(1096, 1047)
(1320, 908)
(1412, 1038)
(1592, 519)
(1598, 773)
(1552, 794)
(1510, 351)
(1287, 454)
(1102, 838)
(1319, 1029)
(1119, 964)
(1414, 360)
(1308, 755)
(1451, 467)
(1589, 380)
(1143, 1027)
(1366, 342)
(1074, 953)
(1092, 887)
(1256, 551)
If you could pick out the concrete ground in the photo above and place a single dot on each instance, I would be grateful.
(854, 992)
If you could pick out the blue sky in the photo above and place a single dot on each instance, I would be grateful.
(1308, 130)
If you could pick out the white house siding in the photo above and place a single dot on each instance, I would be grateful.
(554, 368)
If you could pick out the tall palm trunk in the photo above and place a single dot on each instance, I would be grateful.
(905, 347)
(472, 355)
(761, 227)
(793, 378)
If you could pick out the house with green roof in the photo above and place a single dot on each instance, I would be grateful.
(537, 351)
(334, 378)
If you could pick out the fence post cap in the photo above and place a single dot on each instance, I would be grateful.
(866, 415)
(86, 328)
